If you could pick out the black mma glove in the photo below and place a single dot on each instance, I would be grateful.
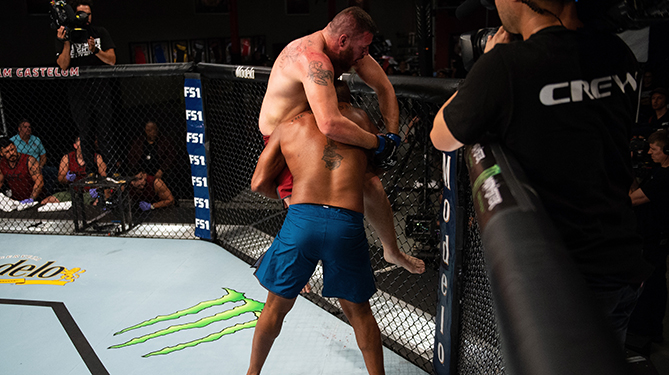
(385, 156)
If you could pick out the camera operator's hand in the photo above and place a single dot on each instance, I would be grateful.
(91, 44)
(61, 34)
(500, 37)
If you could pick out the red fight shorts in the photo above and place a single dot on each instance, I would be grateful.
(284, 180)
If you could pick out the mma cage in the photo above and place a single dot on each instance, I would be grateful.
(123, 99)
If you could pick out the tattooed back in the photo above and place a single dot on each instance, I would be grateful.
(324, 171)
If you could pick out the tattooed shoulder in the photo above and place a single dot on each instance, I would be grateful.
(290, 54)
(320, 75)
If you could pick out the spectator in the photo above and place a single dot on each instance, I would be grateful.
(149, 192)
(403, 69)
(152, 152)
(258, 58)
(659, 119)
(442, 73)
(22, 174)
(27, 143)
(653, 215)
(89, 104)
(73, 168)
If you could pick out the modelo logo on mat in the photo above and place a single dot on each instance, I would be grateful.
(30, 270)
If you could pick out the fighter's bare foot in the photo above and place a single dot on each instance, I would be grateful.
(408, 262)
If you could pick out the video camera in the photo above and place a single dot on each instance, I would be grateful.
(75, 23)
(613, 16)
(641, 161)
(473, 43)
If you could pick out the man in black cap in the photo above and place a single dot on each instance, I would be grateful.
(658, 101)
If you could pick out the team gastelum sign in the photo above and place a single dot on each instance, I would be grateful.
(41, 72)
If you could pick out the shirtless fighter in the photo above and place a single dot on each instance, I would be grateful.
(324, 222)
(303, 78)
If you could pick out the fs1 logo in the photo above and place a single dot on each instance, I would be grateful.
(191, 92)
(247, 73)
(23, 273)
(202, 224)
(201, 202)
(192, 115)
(196, 159)
(197, 138)
(199, 181)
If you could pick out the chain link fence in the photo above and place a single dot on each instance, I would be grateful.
(479, 343)
(116, 112)
(98, 128)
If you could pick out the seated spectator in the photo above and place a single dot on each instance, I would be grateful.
(403, 69)
(659, 119)
(653, 223)
(73, 168)
(149, 192)
(151, 152)
(22, 174)
(442, 73)
(27, 143)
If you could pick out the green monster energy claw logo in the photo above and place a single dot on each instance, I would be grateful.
(249, 305)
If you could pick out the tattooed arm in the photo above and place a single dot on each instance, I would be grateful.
(318, 82)
(36, 175)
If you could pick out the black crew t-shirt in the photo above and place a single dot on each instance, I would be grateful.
(562, 103)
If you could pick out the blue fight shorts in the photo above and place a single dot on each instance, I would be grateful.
(310, 233)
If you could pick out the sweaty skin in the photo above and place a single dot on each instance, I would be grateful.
(336, 179)
(303, 78)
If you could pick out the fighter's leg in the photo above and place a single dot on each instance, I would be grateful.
(380, 216)
(267, 329)
(367, 334)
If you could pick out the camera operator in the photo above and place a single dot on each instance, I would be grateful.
(562, 102)
(91, 102)
(653, 215)
(75, 49)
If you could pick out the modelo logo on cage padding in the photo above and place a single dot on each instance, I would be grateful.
(21, 272)
(39, 72)
(247, 73)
